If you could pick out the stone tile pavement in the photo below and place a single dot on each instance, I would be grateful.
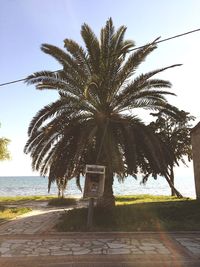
(62, 246)
(191, 243)
(36, 221)
(31, 241)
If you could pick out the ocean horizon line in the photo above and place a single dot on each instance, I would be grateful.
(37, 185)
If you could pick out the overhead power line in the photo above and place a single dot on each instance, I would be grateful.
(20, 80)
(167, 39)
(155, 42)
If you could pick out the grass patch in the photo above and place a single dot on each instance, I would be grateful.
(10, 213)
(21, 199)
(62, 202)
(127, 200)
(138, 213)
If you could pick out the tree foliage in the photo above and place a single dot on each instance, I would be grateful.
(175, 133)
(4, 153)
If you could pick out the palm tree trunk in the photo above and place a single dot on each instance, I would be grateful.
(108, 199)
(59, 193)
(62, 192)
(177, 193)
(171, 175)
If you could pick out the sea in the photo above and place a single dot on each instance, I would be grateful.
(36, 185)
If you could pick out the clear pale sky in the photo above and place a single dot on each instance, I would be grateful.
(26, 24)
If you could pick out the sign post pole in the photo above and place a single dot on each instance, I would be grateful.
(90, 213)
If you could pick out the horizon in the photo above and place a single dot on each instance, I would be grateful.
(29, 185)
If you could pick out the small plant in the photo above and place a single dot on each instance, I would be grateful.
(62, 202)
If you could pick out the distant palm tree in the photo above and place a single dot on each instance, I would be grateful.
(94, 120)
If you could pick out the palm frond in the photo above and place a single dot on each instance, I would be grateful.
(92, 45)
(79, 55)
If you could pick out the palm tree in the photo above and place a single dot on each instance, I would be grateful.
(94, 120)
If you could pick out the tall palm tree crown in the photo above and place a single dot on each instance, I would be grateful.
(89, 122)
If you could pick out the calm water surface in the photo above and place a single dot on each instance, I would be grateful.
(35, 185)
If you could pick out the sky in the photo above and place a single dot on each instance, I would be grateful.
(26, 24)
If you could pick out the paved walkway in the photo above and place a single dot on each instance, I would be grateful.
(31, 240)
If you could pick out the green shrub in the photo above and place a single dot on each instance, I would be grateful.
(58, 202)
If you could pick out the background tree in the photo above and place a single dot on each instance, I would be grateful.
(61, 185)
(175, 133)
(4, 153)
(94, 120)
